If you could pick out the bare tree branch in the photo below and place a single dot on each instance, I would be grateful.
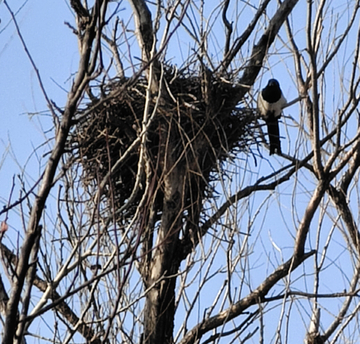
(252, 299)
(33, 229)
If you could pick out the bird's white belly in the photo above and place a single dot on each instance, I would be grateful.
(265, 107)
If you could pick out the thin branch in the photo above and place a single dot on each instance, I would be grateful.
(229, 28)
(33, 228)
(253, 298)
(239, 42)
(37, 72)
(62, 307)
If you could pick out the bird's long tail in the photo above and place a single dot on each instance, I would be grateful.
(274, 135)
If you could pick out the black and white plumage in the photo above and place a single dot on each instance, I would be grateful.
(270, 103)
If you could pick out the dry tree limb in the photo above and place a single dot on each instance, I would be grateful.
(261, 48)
(144, 28)
(229, 28)
(4, 298)
(314, 110)
(80, 10)
(22, 326)
(239, 41)
(112, 42)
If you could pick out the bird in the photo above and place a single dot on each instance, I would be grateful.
(270, 103)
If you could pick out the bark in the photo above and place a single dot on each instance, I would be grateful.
(162, 268)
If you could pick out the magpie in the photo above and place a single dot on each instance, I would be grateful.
(270, 103)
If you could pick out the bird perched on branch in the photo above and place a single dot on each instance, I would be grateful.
(270, 103)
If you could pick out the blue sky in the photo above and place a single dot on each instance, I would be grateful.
(54, 51)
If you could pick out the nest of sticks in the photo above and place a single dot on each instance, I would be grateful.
(197, 118)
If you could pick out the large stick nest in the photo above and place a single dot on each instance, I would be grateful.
(200, 119)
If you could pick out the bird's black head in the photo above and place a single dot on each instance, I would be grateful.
(272, 92)
(273, 83)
